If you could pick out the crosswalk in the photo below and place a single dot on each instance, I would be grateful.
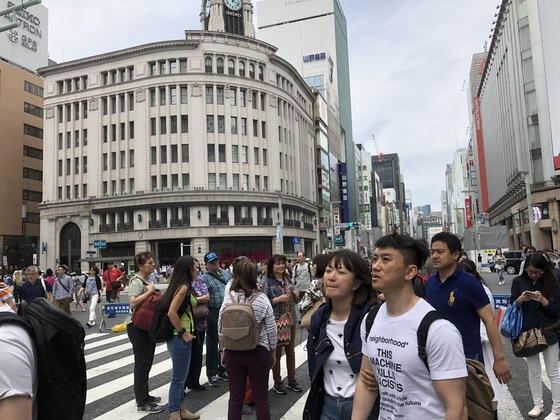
(110, 396)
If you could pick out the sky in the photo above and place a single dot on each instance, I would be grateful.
(409, 60)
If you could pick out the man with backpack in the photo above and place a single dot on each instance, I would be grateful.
(407, 388)
(302, 273)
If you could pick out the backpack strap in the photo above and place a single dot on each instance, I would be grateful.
(370, 318)
(422, 334)
(15, 319)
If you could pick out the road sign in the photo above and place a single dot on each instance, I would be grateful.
(342, 225)
(97, 243)
(102, 243)
(296, 240)
(338, 238)
(296, 247)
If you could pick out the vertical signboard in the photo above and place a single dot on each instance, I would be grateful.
(481, 158)
(468, 212)
(344, 190)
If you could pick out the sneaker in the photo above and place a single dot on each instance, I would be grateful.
(150, 408)
(155, 400)
(279, 388)
(247, 410)
(536, 411)
(213, 381)
(223, 376)
(552, 416)
(294, 386)
(197, 387)
(92, 323)
(88, 324)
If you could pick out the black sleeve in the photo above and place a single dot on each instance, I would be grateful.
(98, 283)
(84, 283)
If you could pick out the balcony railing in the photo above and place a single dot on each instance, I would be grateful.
(264, 221)
(175, 222)
(125, 226)
(243, 221)
(106, 228)
(308, 226)
(222, 221)
(153, 224)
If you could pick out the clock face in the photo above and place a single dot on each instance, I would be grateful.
(233, 4)
(207, 8)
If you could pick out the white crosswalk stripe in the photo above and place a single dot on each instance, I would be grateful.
(105, 380)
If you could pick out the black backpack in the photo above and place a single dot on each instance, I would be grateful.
(60, 361)
(479, 392)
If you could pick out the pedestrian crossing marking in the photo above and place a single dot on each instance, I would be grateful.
(113, 339)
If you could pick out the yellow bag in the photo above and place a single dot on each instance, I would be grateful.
(119, 328)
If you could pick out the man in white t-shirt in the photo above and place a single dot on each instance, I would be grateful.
(302, 273)
(406, 388)
(18, 374)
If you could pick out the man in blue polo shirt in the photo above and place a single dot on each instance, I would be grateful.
(461, 299)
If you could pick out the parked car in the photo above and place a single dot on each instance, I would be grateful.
(554, 258)
(513, 261)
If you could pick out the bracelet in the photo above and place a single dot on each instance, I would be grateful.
(182, 332)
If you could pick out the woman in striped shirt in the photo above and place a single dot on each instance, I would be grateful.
(257, 362)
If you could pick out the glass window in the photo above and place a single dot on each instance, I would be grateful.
(186, 183)
(152, 97)
(211, 181)
(209, 123)
(265, 183)
(235, 182)
(184, 153)
(245, 182)
(173, 124)
(220, 65)
(231, 67)
(162, 67)
(233, 122)
(264, 157)
(220, 95)
(221, 124)
(252, 71)
(232, 96)
(244, 154)
(263, 129)
(184, 123)
(261, 73)
(242, 95)
(183, 65)
(242, 68)
(163, 125)
(131, 129)
(257, 182)
(84, 164)
(256, 155)
(244, 126)
(174, 153)
(209, 94)
(184, 95)
(153, 155)
(122, 159)
(211, 153)
(173, 66)
(163, 154)
(162, 96)
(223, 182)
(131, 158)
(235, 153)
(208, 65)
(173, 95)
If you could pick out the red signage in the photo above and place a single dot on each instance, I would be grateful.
(481, 158)
(468, 212)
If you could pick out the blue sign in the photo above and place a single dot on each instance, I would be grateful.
(296, 240)
(344, 191)
(97, 243)
(102, 243)
(338, 238)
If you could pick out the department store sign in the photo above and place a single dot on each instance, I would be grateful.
(314, 57)
(27, 44)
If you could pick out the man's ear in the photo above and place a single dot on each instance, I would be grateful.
(411, 272)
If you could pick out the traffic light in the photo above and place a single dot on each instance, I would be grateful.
(354, 225)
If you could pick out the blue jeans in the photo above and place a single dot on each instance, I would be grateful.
(501, 274)
(180, 352)
(336, 408)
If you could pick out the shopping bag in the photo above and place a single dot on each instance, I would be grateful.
(512, 322)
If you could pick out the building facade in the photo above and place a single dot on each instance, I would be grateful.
(180, 147)
(22, 50)
(389, 171)
(312, 36)
(517, 113)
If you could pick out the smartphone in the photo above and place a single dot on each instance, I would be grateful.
(528, 292)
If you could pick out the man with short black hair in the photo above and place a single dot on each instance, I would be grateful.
(216, 280)
(407, 389)
(461, 299)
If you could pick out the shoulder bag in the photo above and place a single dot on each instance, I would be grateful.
(71, 297)
(529, 343)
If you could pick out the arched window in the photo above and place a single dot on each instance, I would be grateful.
(231, 67)
(251, 71)
(70, 246)
(220, 65)
(261, 73)
(208, 65)
(242, 68)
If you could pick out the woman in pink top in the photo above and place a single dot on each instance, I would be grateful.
(50, 277)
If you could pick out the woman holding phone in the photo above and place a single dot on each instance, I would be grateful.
(537, 292)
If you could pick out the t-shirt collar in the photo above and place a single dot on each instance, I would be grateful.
(455, 274)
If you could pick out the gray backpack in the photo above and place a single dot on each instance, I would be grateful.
(239, 326)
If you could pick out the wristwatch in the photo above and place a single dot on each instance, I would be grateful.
(182, 332)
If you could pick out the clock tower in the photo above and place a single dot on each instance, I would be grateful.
(231, 16)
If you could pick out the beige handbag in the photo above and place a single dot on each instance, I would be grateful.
(306, 318)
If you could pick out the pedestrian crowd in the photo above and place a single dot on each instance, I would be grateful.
(385, 340)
